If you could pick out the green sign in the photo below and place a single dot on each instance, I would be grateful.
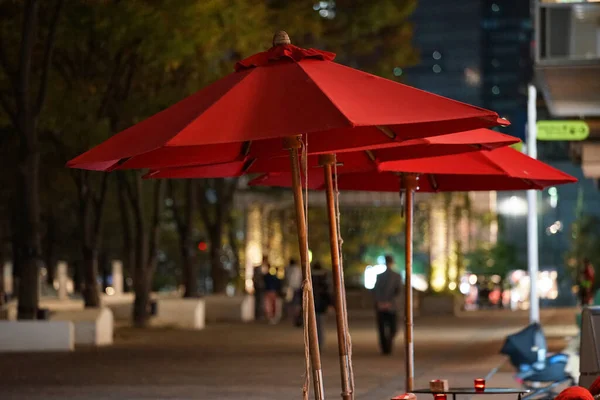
(562, 130)
(517, 146)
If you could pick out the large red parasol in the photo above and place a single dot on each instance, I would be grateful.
(295, 95)
(288, 91)
(500, 169)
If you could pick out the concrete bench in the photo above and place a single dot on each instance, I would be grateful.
(8, 311)
(222, 308)
(93, 326)
(120, 305)
(25, 336)
(182, 313)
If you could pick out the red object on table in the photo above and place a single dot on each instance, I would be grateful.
(405, 396)
(439, 396)
(479, 384)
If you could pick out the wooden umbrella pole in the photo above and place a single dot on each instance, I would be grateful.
(327, 161)
(410, 184)
(293, 144)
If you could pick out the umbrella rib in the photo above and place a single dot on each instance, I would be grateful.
(116, 165)
(371, 157)
(531, 183)
(247, 165)
(386, 131)
(433, 182)
(246, 147)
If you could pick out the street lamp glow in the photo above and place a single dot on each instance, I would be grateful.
(371, 272)
(513, 206)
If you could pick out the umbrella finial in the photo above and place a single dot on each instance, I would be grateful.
(280, 38)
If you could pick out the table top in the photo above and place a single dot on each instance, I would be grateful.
(465, 390)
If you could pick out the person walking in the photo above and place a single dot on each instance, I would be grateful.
(258, 281)
(272, 291)
(387, 288)
(586, 283)
(293, 277)
(322, 296)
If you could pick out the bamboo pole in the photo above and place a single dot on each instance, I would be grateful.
(341, 318)
(293, 144)
(410, 184)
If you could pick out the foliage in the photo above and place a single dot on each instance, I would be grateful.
(117, 62)
(585, 242)
(371, 35)
(499, 258)
(361, 229)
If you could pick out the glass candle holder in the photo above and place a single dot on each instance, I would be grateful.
(405, 396)
(479, 384)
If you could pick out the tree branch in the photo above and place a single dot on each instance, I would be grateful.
(25, 53)
(159, 191)
(190, 204)
(50, 40)
(12, 75)
(204, 207)
(137, 202)
(99, 206)
(8, 109)
(175, 207)
(128, 190)
(112, 82)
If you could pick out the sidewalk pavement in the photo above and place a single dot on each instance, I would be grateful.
(259, 361)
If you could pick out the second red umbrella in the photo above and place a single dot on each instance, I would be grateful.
(500, 169)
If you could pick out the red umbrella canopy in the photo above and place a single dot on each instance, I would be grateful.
(285, 91)
(500, 169)
(355, 161)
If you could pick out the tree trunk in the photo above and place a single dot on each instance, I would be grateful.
(128, 250)
(28, 107)
(218, 274)
(77, 276)
(89, 251)
(185, 225)
(449, 227)
(141, 282)
(146, 249)
(2, 261)
(31, 253)
(190, 276)
(16, 246)
(50, 248)
(214, 221)
(234, 245)
(91, 296)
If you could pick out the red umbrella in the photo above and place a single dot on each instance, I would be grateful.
(297, 95)
(283, 92)
(356, 161)
(500, 169)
